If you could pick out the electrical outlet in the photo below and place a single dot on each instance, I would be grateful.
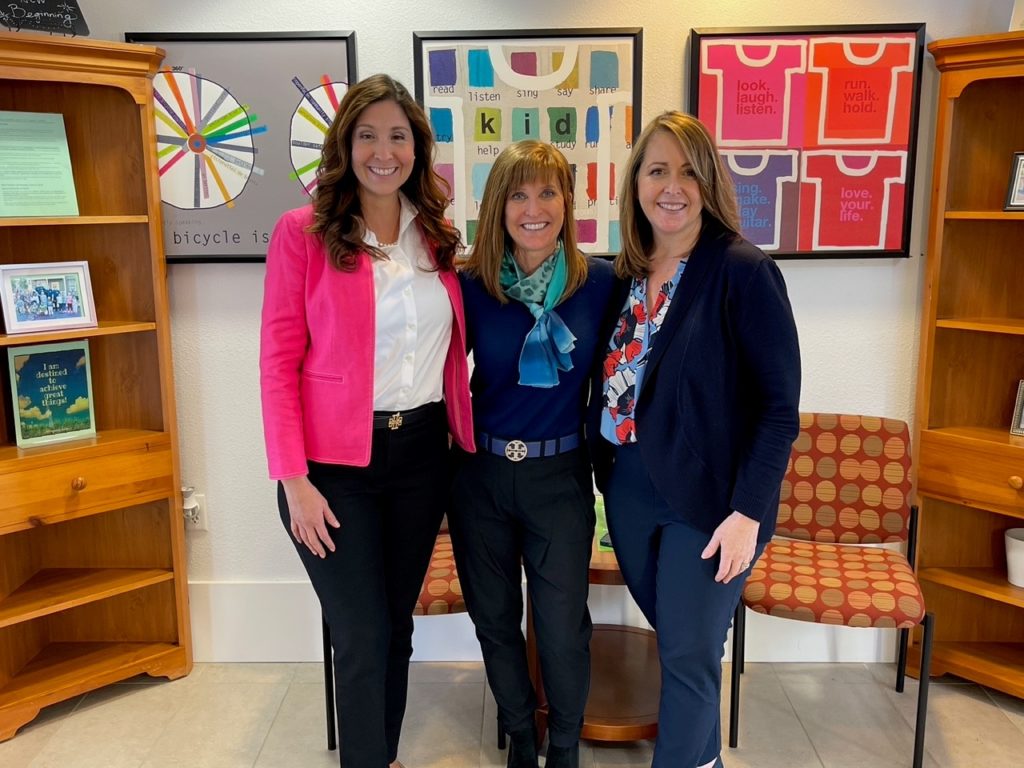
(195, 512)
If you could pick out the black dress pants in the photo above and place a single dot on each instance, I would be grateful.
(538, 513)
(390, 513)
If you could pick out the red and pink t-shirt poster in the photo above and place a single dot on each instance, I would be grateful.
(816, 131)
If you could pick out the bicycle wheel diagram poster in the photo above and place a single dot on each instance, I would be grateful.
(818, 129)
(578, 89)
(240, 123)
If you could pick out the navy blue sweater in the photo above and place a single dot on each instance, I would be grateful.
(717, 411)
(501, 406)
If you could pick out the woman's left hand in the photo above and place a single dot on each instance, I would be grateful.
(736, 540)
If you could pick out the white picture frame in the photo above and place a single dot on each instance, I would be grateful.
(53, 296)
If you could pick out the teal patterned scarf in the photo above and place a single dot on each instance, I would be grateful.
(548, 344)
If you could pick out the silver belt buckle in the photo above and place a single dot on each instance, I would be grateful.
(515, 450)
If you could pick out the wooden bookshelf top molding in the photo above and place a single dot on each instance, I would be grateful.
(28, 56)
(1005, 49)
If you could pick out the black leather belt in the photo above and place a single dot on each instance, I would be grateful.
(398, 419)
(517, 450)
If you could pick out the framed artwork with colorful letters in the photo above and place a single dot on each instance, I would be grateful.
(576, 88)
(818, 128)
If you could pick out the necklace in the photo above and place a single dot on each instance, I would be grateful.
(386, 245)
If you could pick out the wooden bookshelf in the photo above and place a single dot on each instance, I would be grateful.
(970, 469)
(92, 559)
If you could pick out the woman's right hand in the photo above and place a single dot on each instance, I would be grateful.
(310, 515)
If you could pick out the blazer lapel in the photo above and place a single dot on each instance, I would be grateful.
(699, 265)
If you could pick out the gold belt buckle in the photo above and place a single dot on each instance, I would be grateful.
(394, 421)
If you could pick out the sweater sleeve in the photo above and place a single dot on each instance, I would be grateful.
(770, 356)
(284, 338)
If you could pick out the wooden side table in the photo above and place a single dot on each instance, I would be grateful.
(625, 677)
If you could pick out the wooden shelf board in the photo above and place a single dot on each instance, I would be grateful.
(62, 670)
(106, 441)
(105, 328)
(985, 215)
(997, 665)
(1007, 325)
(986, 582)
(985, 434)
(52, 221)
(57, 589)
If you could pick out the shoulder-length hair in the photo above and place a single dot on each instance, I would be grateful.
(718, 196)
(337, 214)
(522, 163)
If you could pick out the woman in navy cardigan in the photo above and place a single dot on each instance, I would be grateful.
(701, 387)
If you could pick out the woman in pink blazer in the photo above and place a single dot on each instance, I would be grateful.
(363, 376)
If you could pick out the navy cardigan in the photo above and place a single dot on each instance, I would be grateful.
(718, 409)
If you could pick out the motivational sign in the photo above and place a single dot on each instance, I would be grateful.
(52, 392)
(818, 131)
(578, 90)
(62, 16)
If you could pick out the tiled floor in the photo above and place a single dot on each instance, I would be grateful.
(271, 716)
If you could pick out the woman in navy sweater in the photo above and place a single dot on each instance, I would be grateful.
(534, 306)
(702, 384)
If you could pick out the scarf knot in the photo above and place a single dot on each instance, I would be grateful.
(547, 346)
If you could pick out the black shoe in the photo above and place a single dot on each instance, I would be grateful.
(522, 749)
(563, 757)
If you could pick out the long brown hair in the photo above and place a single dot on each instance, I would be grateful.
(337, 214)
(522, 163)
(718, 196)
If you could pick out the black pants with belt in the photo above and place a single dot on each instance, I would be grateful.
(539, 513)
(390, 513)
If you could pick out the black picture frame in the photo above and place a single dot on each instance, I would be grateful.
(565, 86)
(818, 127)
(271, 95)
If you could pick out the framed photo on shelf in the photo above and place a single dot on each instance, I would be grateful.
(53, 296)
(51, 386)
(818, 129)
(1015, 190)
(1017, 425)
(578, 89)
(240, 123)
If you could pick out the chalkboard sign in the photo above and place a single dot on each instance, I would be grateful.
(63, 16)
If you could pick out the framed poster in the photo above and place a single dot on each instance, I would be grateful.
(51, 385)
(576, 88)
(53, 296)
(818, 127)
(240, 121)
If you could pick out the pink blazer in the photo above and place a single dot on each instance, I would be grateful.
(317, 350)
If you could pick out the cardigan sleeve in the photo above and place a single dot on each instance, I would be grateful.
(770, 366)
(284, 338)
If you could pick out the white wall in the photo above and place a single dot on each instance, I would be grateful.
(858, 319)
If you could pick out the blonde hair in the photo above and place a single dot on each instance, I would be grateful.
(718, 196)
(522, 163)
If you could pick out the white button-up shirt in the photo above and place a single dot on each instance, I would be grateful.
(414, 321)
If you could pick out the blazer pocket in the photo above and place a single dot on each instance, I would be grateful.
(331, 378)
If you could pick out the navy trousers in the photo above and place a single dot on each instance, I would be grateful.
(537, 514)
(659, 555)
(390, 513)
